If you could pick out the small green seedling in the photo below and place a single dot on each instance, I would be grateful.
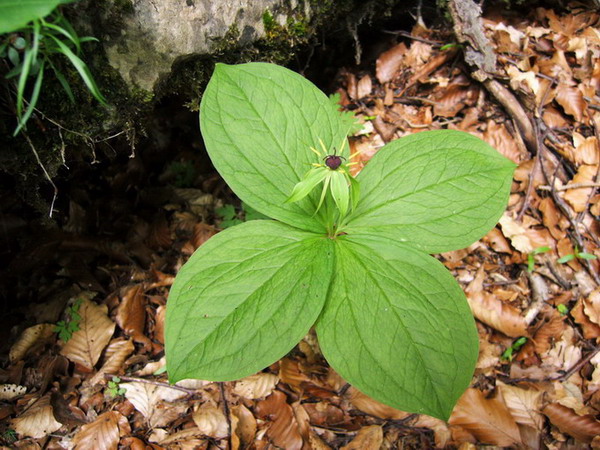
(183, 173)
(575, 255)
(562, 309)
(9, 436)
(66, 328)
(354, 263)
(531, 257)
(113, 389)
(510, 352)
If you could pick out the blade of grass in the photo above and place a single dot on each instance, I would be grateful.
(63, 81)
(82, 68)
(32, 101)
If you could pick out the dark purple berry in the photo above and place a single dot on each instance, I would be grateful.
(333, 161)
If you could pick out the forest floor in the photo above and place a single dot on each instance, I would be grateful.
(85, 367)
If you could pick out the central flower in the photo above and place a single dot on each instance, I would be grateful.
(335, 178)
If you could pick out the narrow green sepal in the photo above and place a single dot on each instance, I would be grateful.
(340, 191)
(304, 187)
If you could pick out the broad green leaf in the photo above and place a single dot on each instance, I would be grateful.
(15, 14)
(244, 300)
(397, 326)
(258, 122)
(312, 178)
(437, 190)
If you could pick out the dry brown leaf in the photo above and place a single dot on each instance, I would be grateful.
(548, 333)
(591, 306)
(552, 218)
(489, 420)
(256, 386)
(368, 438)
(153, 402)
(583, 428)
(29, 339)
(283, 430)
(571, 99)
(493, 312)
(159, 324)
(498, 136)
(523, 405)
(36, 421)
(441, 432)
(10, 391)
(389, 63)
(497, 241)
(103, 433)
(587, 150)
(211, 421)
(578, 198)
(451, 100)
(364, 87)
(95, 331)
(116, 354)
(373, 407)
(131, 314)
(516, 233)
(246, 426)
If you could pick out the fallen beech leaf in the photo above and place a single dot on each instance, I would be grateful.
(389, 62)
(493, 312)
(523, 405)
(497, 241)
(591, 306)
(95, 331)
(516, 233)
(30, 338)
(116, 354)
(153, 402)
(571, 99)
(373, 407)
(364, 86)
(211, 421)
(441, 432)
(159, 324)
(103, 433)
(549, 333)
(578, 198)
(587, 150)
(283, 430)
(565, 353)
(498, 136)
(583, 428)
(131, 315)
(36, 421)
(489, 420)
(256, 386)
(368, 438)
(10, 391)
(246, 426)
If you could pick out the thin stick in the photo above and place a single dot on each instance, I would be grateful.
(566, 187)
(155, 383)
(46, 174)
(225, 409)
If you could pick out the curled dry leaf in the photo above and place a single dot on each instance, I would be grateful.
(29, 339)
(211, 421)
(364, 86)
(152, 401)
(103, 433)
(256, 386)
(10, 391)
(389, 63)
(368, 438)
(583, 428)
(36, 421)
(516, 233)
(571, 99)
(283, 430)
(441, 432)
(116, 354)
(523, 405)
(498, 136)
(591, 306)
(245, 428)
(492, 311)
(95, 331)
(373, 407)
(587, 150)
(131, 315)
(489, 420)
(578, 198)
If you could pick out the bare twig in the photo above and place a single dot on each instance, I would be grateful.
(46, 174)
(566, 187)
(225, 409)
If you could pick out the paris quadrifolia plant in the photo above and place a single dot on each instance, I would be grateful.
(354, 263)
